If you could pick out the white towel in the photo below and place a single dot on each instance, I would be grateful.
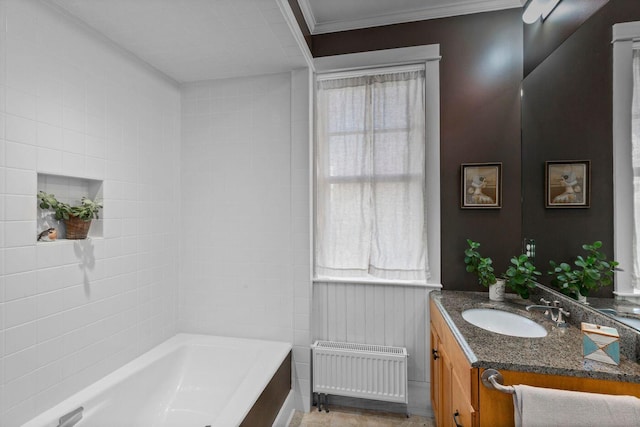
(547, 407)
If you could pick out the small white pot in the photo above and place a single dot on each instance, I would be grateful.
(582, 298)
(496, 291)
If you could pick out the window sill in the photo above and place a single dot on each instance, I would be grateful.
(372, 281)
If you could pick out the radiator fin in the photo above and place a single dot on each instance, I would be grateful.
(368, 348)
(360, 370)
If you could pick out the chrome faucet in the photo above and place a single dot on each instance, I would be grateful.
(544, 307)
(558, 318)
(553, 312)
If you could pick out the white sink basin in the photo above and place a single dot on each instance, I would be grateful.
(503, 322)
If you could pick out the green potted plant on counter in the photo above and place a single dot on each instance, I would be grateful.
(77, 219)
(520, 275)
(482, 267)
(592, 272)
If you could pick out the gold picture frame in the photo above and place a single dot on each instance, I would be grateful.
(481, 185)
(567, 183)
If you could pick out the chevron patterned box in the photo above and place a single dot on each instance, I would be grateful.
(600, 343)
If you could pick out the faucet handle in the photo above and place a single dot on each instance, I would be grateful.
(560, 321)
(545, 302)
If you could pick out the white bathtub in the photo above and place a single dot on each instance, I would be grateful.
(187, 381)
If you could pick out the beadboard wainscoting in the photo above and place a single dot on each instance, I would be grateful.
(393, 315)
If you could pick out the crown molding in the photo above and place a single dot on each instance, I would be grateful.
(429, 12)
(290, 19)
(308, 15)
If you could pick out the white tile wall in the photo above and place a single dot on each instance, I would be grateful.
(70, 312)
(300, 226)
(3, 98)
(245, 246)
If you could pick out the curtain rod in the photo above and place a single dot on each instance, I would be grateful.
(368, 71)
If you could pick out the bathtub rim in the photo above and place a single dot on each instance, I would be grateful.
(257, 378)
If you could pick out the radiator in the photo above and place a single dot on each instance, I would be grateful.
(360, 370)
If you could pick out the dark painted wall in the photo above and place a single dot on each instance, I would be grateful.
(542, 38)
(480, 77)
(567, 114)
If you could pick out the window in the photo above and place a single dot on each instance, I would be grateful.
(370, 176)
(626, 147)
(395, 168)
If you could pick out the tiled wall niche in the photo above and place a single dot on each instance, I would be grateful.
(70, 190)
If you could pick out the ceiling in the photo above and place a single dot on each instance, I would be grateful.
(193, 40)
(325, 16)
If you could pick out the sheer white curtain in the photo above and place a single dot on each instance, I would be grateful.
(370, 186)
(635, 155)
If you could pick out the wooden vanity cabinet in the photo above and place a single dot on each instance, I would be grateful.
(497, 407)
(453, 380)
(456, 387)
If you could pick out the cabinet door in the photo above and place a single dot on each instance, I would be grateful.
(462, 413)
(436, 377)
(446, 381)
(452, 378)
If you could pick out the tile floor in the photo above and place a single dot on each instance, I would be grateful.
(351, 417)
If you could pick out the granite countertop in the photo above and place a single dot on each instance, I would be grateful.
(559, 353)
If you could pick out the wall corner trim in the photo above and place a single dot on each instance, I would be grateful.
(296, 31)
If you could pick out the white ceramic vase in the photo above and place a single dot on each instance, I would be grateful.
(582, 299)
(496, 291)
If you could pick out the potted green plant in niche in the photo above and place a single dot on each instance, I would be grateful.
(77, 219)
(591, 272)
(482, 267)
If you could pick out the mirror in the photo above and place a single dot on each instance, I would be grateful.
(622, 311)
(567, 116)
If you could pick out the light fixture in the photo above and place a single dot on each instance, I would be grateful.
(538, 8)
